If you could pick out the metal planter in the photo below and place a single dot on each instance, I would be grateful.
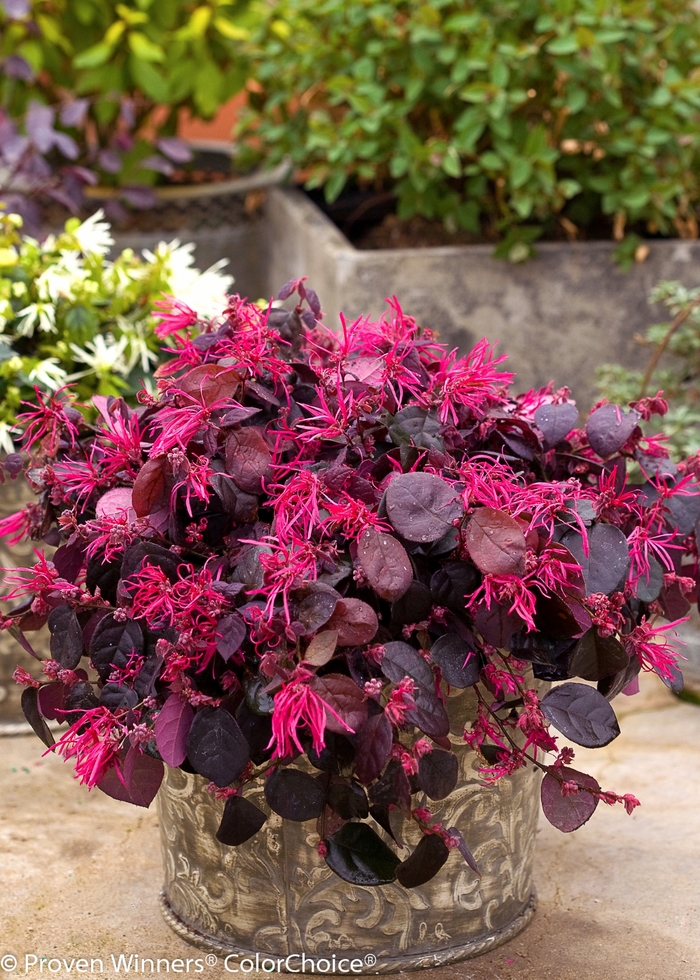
(275, 897)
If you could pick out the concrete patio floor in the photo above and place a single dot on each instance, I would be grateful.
(618, 900)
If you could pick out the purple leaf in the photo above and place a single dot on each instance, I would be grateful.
(66, 637)
(425, 862)
(609, 428)
(294, 795)
(497, 625)
(17, 67)
(69, 558)
(402, 660)
(39, 122)
(16, 9)
(373, 747)
(457, 660)
(438, 772)
(358, 855)
(581, 714)
(355, 621)
(172, 727)
(110, 161)
(555, 422)
(385, 563)
(287, 290)
(115, 503)
(73, 113)
(216, 746)
(314, 302)
(52, 700)
(127, 114)
(495, 542)
(422, 506)
(596, 657)
(30, 708)
(241, 820)
(65, 145)
(231, 632)
(141, 776)
(568, 811)
(429, 714)
(159, 164)
(176, 149)
(347, 700)
(139, 197)
(607, 561)
(464, 850)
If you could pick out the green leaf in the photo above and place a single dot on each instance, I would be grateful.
(451, 163)
(149, 79)
(207, 89)
(145, 49)
(563, 45)
(520, 172)
(93, 57)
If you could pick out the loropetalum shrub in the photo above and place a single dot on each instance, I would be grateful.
(498, 118)
(674, 366)
(93, 90)
(280, 563)
(70, 314)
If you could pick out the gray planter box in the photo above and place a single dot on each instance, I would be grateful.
(558, 316)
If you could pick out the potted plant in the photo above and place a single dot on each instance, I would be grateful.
(330, 578)
(71, 315)
(468, 130)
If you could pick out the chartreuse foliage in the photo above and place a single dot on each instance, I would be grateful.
(497, 118)
(673, 368)
(304, 539)
(71, 315)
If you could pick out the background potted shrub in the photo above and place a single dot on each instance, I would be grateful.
(294, 554)
(505, 124)
(69, 315)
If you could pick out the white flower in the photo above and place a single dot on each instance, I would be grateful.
(103, 354)
(60, 279)
(48, 373)
(204, 292)
(137, 337)
(93, 235)
(6, 443)
(43, 313)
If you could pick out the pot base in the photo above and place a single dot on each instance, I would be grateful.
(391, 964)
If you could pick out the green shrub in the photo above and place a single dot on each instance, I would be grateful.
(118, 73)
(71, 315)
(501, 118)
(674, 368)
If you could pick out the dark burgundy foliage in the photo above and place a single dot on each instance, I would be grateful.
(288, 562)
(241, 820)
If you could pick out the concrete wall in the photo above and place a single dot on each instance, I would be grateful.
(558, 316)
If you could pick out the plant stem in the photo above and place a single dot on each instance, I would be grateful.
(679, 319)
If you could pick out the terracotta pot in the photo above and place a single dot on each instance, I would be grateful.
(275, 897)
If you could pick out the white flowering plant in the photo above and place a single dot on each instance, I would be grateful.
(69, 314)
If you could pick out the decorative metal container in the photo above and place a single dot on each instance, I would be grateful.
(274, 896)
